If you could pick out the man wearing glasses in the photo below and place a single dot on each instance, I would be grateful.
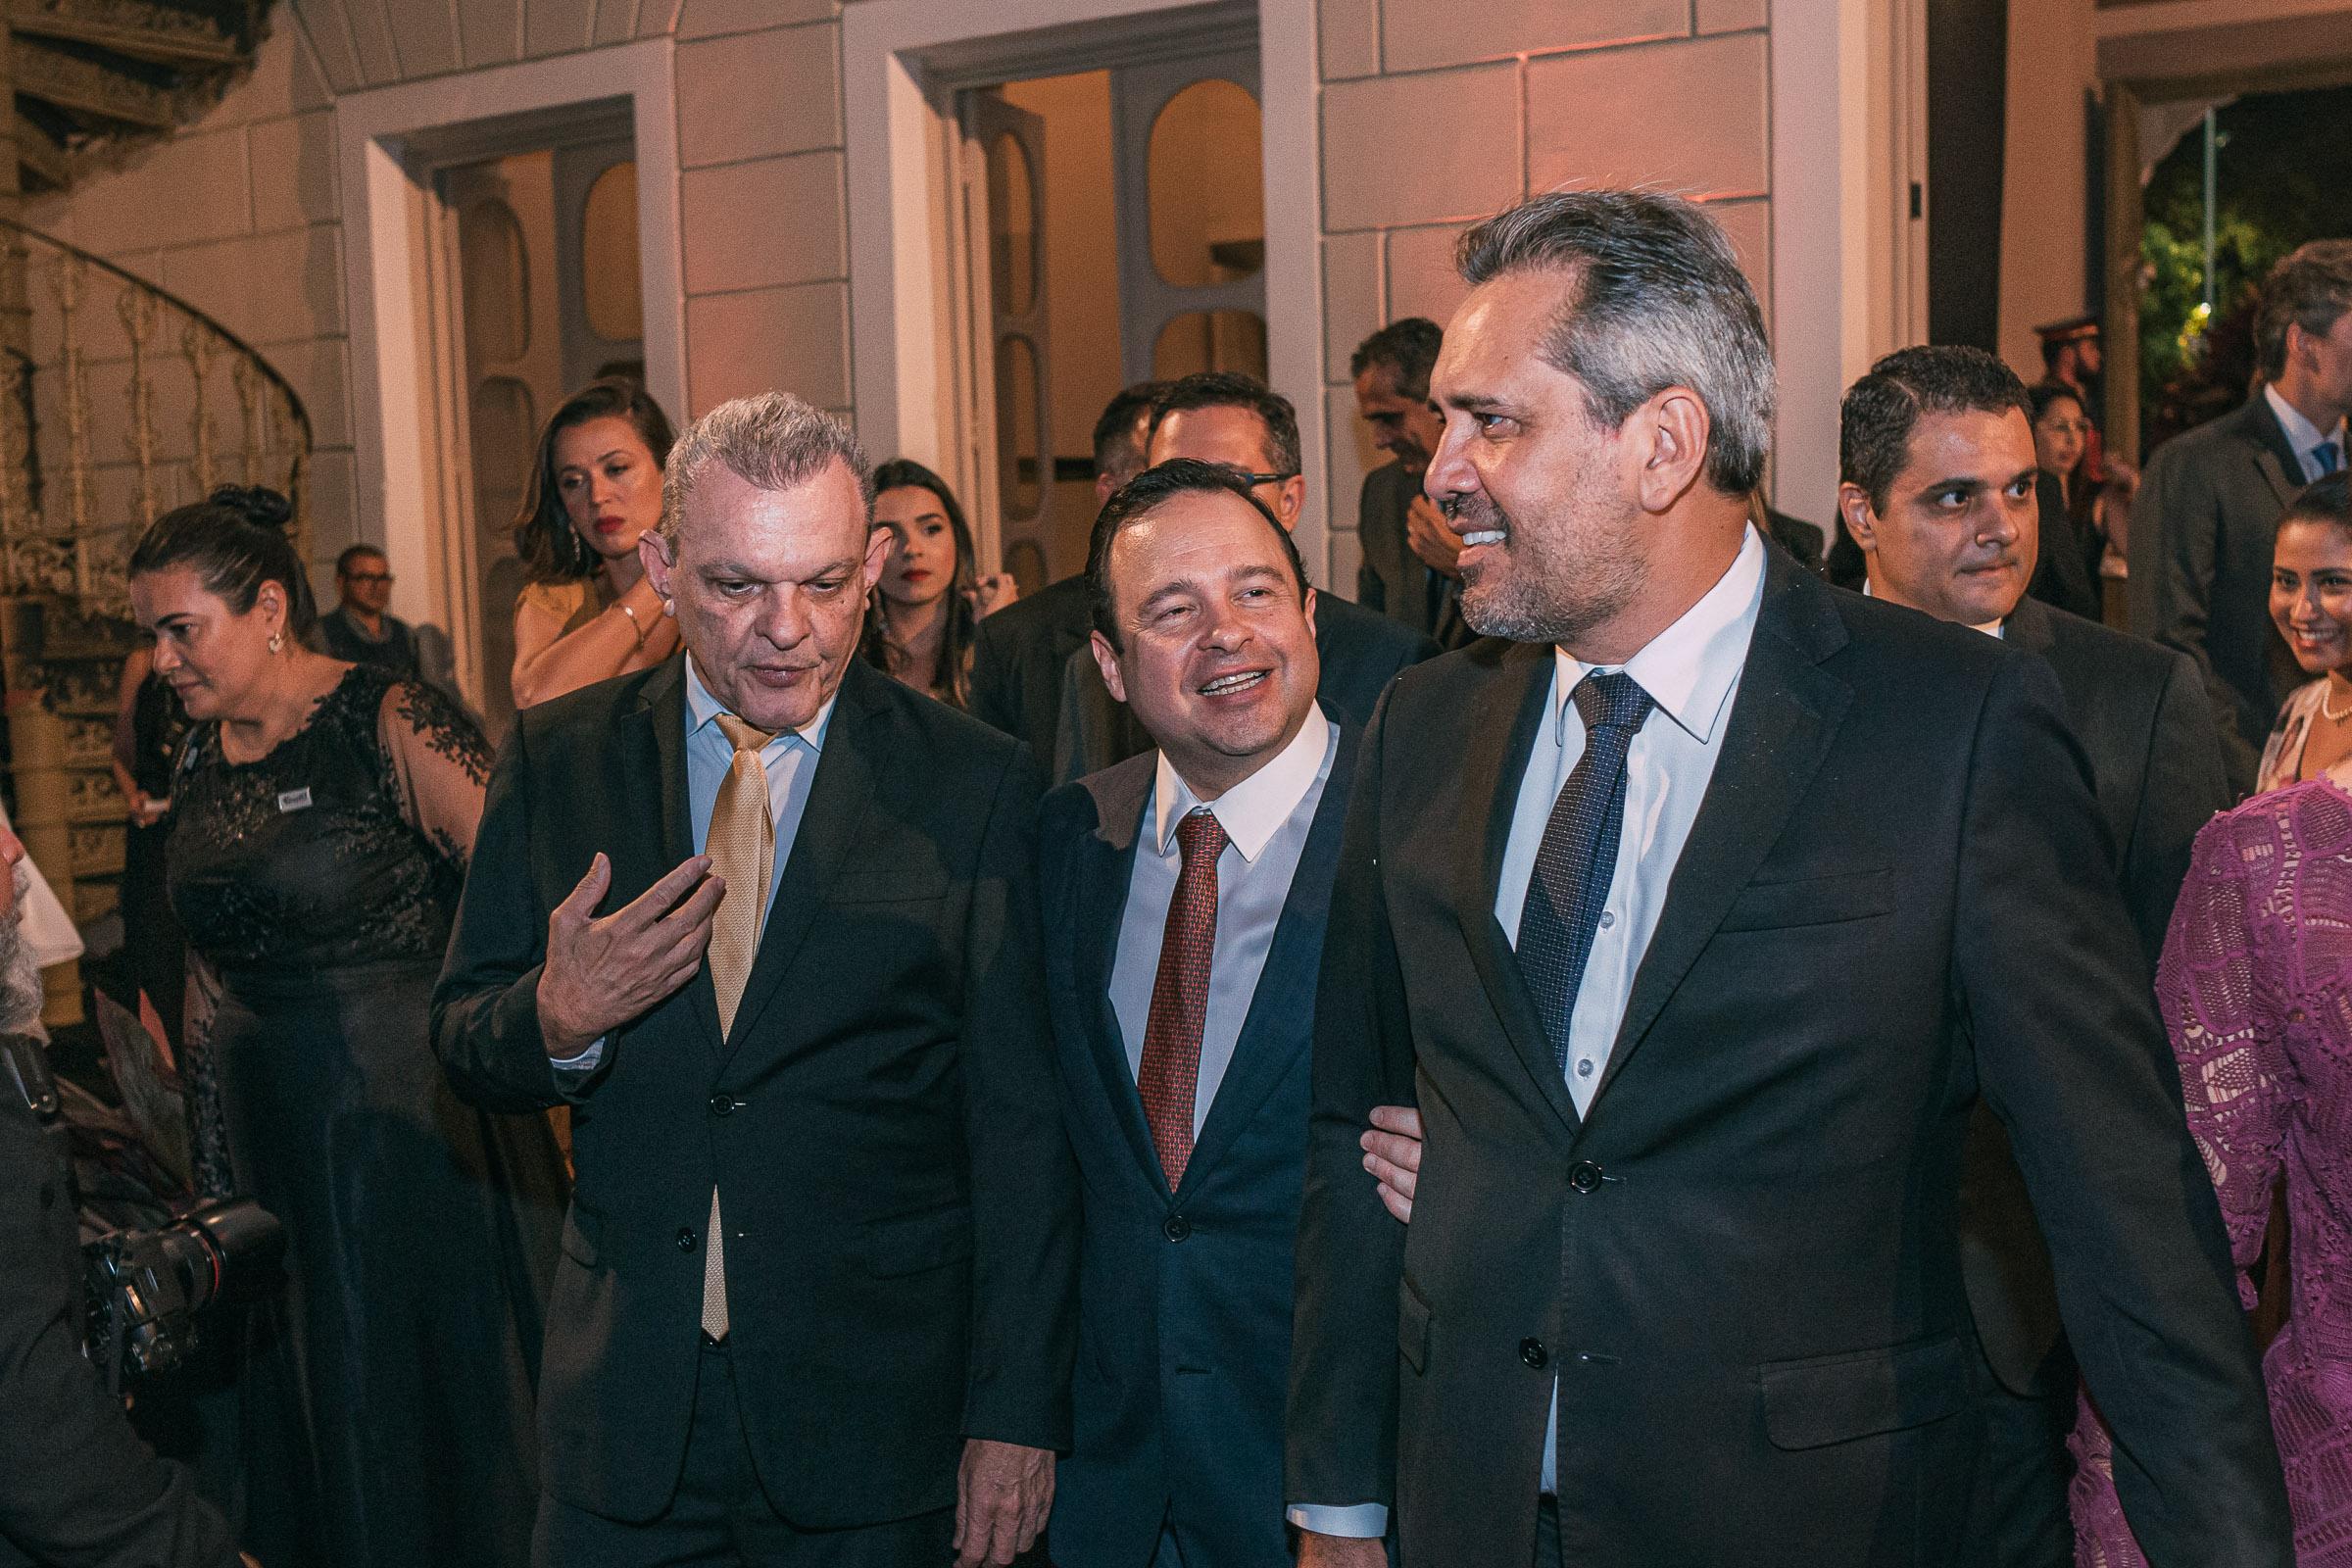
(362, 631)
(1225, 418)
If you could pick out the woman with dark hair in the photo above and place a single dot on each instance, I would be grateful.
(586, 613)
(2311, 604)
(918, 624)
(322, 814)
(2061, 438)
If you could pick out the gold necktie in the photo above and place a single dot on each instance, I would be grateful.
(742, 846)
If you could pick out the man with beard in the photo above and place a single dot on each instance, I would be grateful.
(1408, 569)
(1694, 922)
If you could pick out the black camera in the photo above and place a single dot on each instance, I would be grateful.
(148, 1290)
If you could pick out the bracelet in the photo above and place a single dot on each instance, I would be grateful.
(637, 626)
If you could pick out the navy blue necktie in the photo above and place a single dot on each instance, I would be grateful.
(1579, 853)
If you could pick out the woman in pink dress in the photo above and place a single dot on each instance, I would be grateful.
(2256, 991)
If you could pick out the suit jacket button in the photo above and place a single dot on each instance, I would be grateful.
(685, 1238)
(1584, 1176)
(1176, 1227)
(723, 1105)
(1531, 1351)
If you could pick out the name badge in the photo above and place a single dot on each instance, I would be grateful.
(294, 800)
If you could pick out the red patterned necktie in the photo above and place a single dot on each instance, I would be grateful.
(1169, 1076)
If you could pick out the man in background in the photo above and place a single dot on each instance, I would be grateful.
(1019, 652)
(2207, 514)
(362, 631)
(1408, 570)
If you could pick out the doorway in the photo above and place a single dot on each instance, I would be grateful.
(540, 259)
(1165, 160)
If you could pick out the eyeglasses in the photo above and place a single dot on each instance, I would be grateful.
(1256, 479)
(366, 576)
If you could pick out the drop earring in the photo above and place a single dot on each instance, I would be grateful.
(276, 641)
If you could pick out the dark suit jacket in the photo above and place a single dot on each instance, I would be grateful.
(1017, 658)
(1360, 652)
(881, 1122)
(1391, 579)
(2062, 574)
(2142, 716)
(1744, 1269)
(76, 1486)
(2202, 530)
(1185, 1320)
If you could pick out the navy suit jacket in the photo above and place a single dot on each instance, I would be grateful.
(1184, 1332)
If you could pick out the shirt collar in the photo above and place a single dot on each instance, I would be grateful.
(703, 708)
(1254, 811)
(1690, 669)
(2301, 434)
(1991, 628)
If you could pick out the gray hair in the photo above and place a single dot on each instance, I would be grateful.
(1659, 301)
(2311, 288)
(772, 440)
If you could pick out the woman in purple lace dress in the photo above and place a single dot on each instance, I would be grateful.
(2256, 991)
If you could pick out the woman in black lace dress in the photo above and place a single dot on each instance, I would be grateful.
(322, 816)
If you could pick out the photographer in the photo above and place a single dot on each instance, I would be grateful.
(76, 1486)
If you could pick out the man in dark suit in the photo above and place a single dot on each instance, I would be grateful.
(1019, 653)
(1185, 890)
(2207, 513)
(1407, 571)
(1696, 924)
(1936, 448)
(815, 1297)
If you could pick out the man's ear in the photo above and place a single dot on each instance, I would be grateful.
(653, 554)
(1853, 506)
(1106, 660)
(877, 556)
(1291, 501)
(1672, 430)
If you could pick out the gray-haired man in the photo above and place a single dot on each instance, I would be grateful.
(1695, 922)
(766, 920)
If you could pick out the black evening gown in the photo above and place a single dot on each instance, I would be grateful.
(388, 1410)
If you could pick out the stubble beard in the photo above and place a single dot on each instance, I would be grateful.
(1559, 579)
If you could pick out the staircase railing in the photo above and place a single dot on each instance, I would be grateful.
(118, 401)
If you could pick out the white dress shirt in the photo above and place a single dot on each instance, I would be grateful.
(2304, 436)
(1265, 818)
(791, 764)
(1692, 672)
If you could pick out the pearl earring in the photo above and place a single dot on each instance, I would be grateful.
(276, 642)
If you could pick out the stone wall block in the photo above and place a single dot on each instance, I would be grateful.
(1422, 33)
(759, 95)
(1689, 117)
(789, 339)
(1418, 149)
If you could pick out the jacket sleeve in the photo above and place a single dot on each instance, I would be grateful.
(485, 1015)
(1024, 1181)
(1342, 1394)
(77, 1488)
(994, 698)
(2175, 539)
(2185, 790)
(2072, 1058)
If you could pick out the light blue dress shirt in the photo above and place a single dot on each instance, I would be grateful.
(2306, 437)
(1692, 672)
(791, 764)
(1265, 818)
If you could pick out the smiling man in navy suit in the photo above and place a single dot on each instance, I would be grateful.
(1186, 890)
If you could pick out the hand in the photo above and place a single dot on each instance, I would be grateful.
(1431, 537)
(145, 809)
(1003, 1494)
(1340, 1551)
(994, 592)
(602, 971)
(1392, 1155)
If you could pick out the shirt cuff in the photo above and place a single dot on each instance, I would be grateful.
(1363, 1521)
(583, 1063)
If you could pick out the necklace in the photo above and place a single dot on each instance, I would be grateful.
(2329, 713)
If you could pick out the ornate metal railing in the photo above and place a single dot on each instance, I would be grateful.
(118, 402)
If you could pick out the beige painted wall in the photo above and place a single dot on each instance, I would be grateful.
(1425, 128)
(2045, 193)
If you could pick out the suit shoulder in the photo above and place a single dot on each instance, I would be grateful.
(1925, 654)
(1052, 608)
(2124, 660)
(1368, 631)
(588, 711)
(949, 736)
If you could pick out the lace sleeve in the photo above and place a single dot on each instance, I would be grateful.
(2221, 993)
(439, 764)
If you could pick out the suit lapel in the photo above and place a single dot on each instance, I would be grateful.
(1781, 727)
(662, 713)
(855, 741)
(1502, 734)
(1279, 1022)
(1106, 863)
(2281, 465)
